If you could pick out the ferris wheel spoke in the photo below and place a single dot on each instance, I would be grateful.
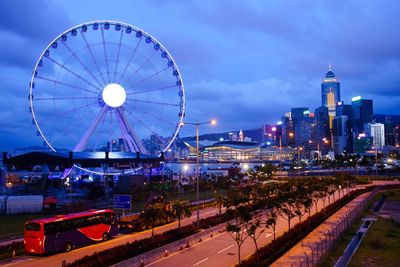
(152, 89)
(82, 64)
(64, 98)
(118, 52)
(149, 129)
(133, 139)
(66, 84)
(85, 138)
(93, 58)
(105, 53)
(153, 102)
(152, 115)
(75, 109)
(130, 59)
(141, 66)
(151, 76)
(72, 72)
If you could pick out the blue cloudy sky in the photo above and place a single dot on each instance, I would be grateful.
(242, 62)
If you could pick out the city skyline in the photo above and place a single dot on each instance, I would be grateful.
(245, 73)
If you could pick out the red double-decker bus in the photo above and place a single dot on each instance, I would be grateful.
(64, 232)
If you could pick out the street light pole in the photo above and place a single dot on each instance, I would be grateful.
(280, 154)
(197, 175)
(197, 124)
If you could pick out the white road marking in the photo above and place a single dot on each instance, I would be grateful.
(224, 249)
(203, 260)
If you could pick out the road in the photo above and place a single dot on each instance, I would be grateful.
(56, 260)
(222, 250)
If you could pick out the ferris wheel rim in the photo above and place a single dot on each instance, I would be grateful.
(182, 104)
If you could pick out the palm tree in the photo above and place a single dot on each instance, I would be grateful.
(180, 210)
(219, 201)
(151, 214)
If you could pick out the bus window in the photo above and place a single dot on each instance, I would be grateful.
(50, 228)
(32, 227)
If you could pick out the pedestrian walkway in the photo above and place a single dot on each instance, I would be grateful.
(317, 243)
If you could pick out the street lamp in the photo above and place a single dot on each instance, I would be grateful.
(299, 148)
(197, 124)
(274, 129)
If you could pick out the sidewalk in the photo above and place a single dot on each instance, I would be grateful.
(314, 245)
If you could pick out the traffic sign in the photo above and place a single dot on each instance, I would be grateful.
(122, 202)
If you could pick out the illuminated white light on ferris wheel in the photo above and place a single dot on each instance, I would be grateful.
(114, 95)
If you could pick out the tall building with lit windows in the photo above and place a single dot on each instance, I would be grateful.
(330, 90)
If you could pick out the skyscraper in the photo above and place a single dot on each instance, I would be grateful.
(362, 113)
(330, 90)
(377, 132)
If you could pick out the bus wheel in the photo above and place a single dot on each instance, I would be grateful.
(67, 247)
(104, 237)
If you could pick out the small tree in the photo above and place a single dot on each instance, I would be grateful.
(180, 210)
(271, 219)
(219, 201)
(251, 229)
(151, 215)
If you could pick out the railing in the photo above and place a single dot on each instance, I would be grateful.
(314, 251)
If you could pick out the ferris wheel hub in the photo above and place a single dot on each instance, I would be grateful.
(114, 95)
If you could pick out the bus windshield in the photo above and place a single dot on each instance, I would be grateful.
(32, 227)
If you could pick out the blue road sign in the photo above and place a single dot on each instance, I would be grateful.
(122, 202)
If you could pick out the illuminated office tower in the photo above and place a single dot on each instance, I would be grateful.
(330, 90)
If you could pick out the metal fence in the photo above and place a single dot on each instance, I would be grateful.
(314, 251)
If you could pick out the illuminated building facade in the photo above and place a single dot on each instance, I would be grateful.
(377, 132)
(229, 151)
(330, 90)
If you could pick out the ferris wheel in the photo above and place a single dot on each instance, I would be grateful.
(107, 85)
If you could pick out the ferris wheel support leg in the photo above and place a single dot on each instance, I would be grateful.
(85, 138)
(135, 144)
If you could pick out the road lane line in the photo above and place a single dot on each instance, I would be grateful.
(179, 251)
(224, 249)
(200, 262)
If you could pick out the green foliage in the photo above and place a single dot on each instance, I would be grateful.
(180, 210)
